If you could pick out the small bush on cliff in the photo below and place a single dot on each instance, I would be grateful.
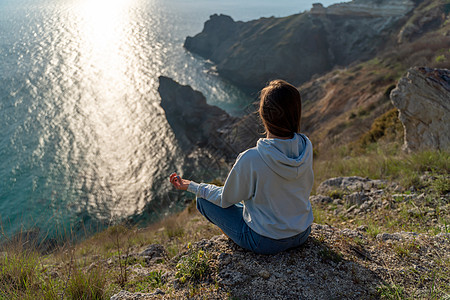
(387, 125)
(155, 279)
(441, 184)
(193, 267)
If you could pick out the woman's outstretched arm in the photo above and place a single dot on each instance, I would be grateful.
(239, 186)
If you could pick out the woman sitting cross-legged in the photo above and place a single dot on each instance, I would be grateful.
(264, 204)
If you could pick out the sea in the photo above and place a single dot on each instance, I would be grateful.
(84, 142)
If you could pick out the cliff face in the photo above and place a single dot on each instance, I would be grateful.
(298, 46)
(342, 105)
(339, 106)
(423, 99)
(186, 109)
(198, 125)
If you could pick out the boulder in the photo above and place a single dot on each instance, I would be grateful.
(422, 97)
(357, 198)
(352, 184)
(154, 253)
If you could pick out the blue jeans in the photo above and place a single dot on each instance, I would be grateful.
(232, 223)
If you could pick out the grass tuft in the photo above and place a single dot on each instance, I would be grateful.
(328, 254)
(390, 291)
(90, 285)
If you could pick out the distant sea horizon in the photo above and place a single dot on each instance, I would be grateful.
(84, 141)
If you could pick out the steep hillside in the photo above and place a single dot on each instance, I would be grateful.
(299, 46)
(341, 106)
(367, 45)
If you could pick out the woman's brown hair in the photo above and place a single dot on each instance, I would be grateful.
(280, 108)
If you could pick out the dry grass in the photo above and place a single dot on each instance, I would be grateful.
(82, 271)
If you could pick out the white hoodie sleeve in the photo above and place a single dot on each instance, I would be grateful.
(238, 186)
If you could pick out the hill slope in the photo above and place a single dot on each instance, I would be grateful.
(298, 46)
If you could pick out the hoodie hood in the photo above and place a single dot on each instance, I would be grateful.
(287, 158)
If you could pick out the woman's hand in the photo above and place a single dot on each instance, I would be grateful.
(178, 183)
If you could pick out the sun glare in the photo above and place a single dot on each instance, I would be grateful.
(105, 62)
(103, 8)
(103, 31)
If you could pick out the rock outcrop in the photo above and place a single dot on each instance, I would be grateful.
(430, 17)
(197, 124)
(423, 100)
(353, 183)
(333, 264)
(186, 109)
(299, 46)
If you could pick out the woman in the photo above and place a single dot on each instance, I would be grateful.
(264, 205)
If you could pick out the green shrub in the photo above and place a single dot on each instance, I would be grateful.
(155, 279)
(440, 58)
(441, 184)
(193, 267)
(386, 125)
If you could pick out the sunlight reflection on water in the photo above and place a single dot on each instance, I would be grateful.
(83, 137)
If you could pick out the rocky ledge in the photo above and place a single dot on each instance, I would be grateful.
(333, 264)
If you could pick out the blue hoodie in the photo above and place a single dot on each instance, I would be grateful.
(273, 181)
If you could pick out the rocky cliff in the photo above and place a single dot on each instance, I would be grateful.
(197, 124)
(432, 15)
(342, 105)
(186, 109)
(298, 46)
(423, 99)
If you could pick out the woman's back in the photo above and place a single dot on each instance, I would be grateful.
(277, 176)
(264, 205)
